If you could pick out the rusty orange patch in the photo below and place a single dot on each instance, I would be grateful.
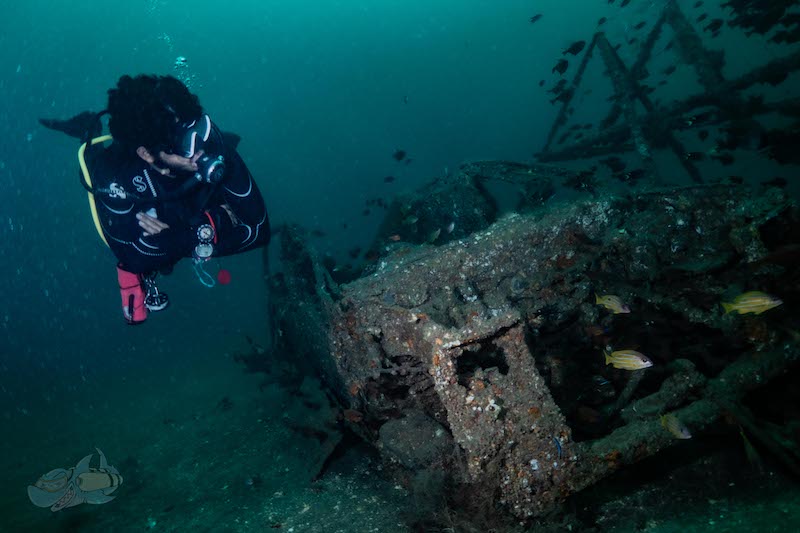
(351, 415)
(613, 458)
(562, 261)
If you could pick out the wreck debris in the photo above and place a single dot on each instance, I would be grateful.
(625, 130)
(477, 348)
(637, 440)
(460, 203)
(470, 350)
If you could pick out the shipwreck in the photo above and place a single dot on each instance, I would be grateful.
(469, 350)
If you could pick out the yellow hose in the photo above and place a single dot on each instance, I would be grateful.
(88, 179)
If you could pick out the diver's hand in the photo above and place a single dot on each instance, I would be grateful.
(176, 162)
(150, 225)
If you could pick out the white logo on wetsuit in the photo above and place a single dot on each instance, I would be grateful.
(139, 183)
(117, 191)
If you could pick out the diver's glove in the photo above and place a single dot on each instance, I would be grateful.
(133, 294)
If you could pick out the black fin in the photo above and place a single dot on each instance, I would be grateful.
(77, 126)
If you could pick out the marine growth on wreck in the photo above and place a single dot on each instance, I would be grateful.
(513, 354)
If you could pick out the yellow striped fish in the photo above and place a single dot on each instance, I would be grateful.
(627, 359)
(675, 427)
(751, 302)
(612, 303)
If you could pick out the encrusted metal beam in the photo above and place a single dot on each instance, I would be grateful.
(561, 119)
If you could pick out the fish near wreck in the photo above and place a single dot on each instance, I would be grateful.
(561, 66)
(755, 302)
(714, 26)
(676, 428)
(563, 96)
(627, 359)
(612, 303)
(575, 48)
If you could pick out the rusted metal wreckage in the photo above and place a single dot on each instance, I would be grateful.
(476, 355)
(471, 357)
(625, 130)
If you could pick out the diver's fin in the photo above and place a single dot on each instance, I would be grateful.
(231, 139)
(78, 126)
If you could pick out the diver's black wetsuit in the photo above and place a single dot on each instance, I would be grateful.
(127, 175)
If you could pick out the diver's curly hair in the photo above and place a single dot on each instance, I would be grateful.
(143, 110)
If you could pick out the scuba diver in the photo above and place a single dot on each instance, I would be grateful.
(170, 185)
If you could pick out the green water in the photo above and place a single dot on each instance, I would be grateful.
(322, 93)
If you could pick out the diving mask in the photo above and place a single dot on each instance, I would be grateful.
(190, 138)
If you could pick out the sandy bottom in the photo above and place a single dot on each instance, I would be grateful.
(200, 449)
